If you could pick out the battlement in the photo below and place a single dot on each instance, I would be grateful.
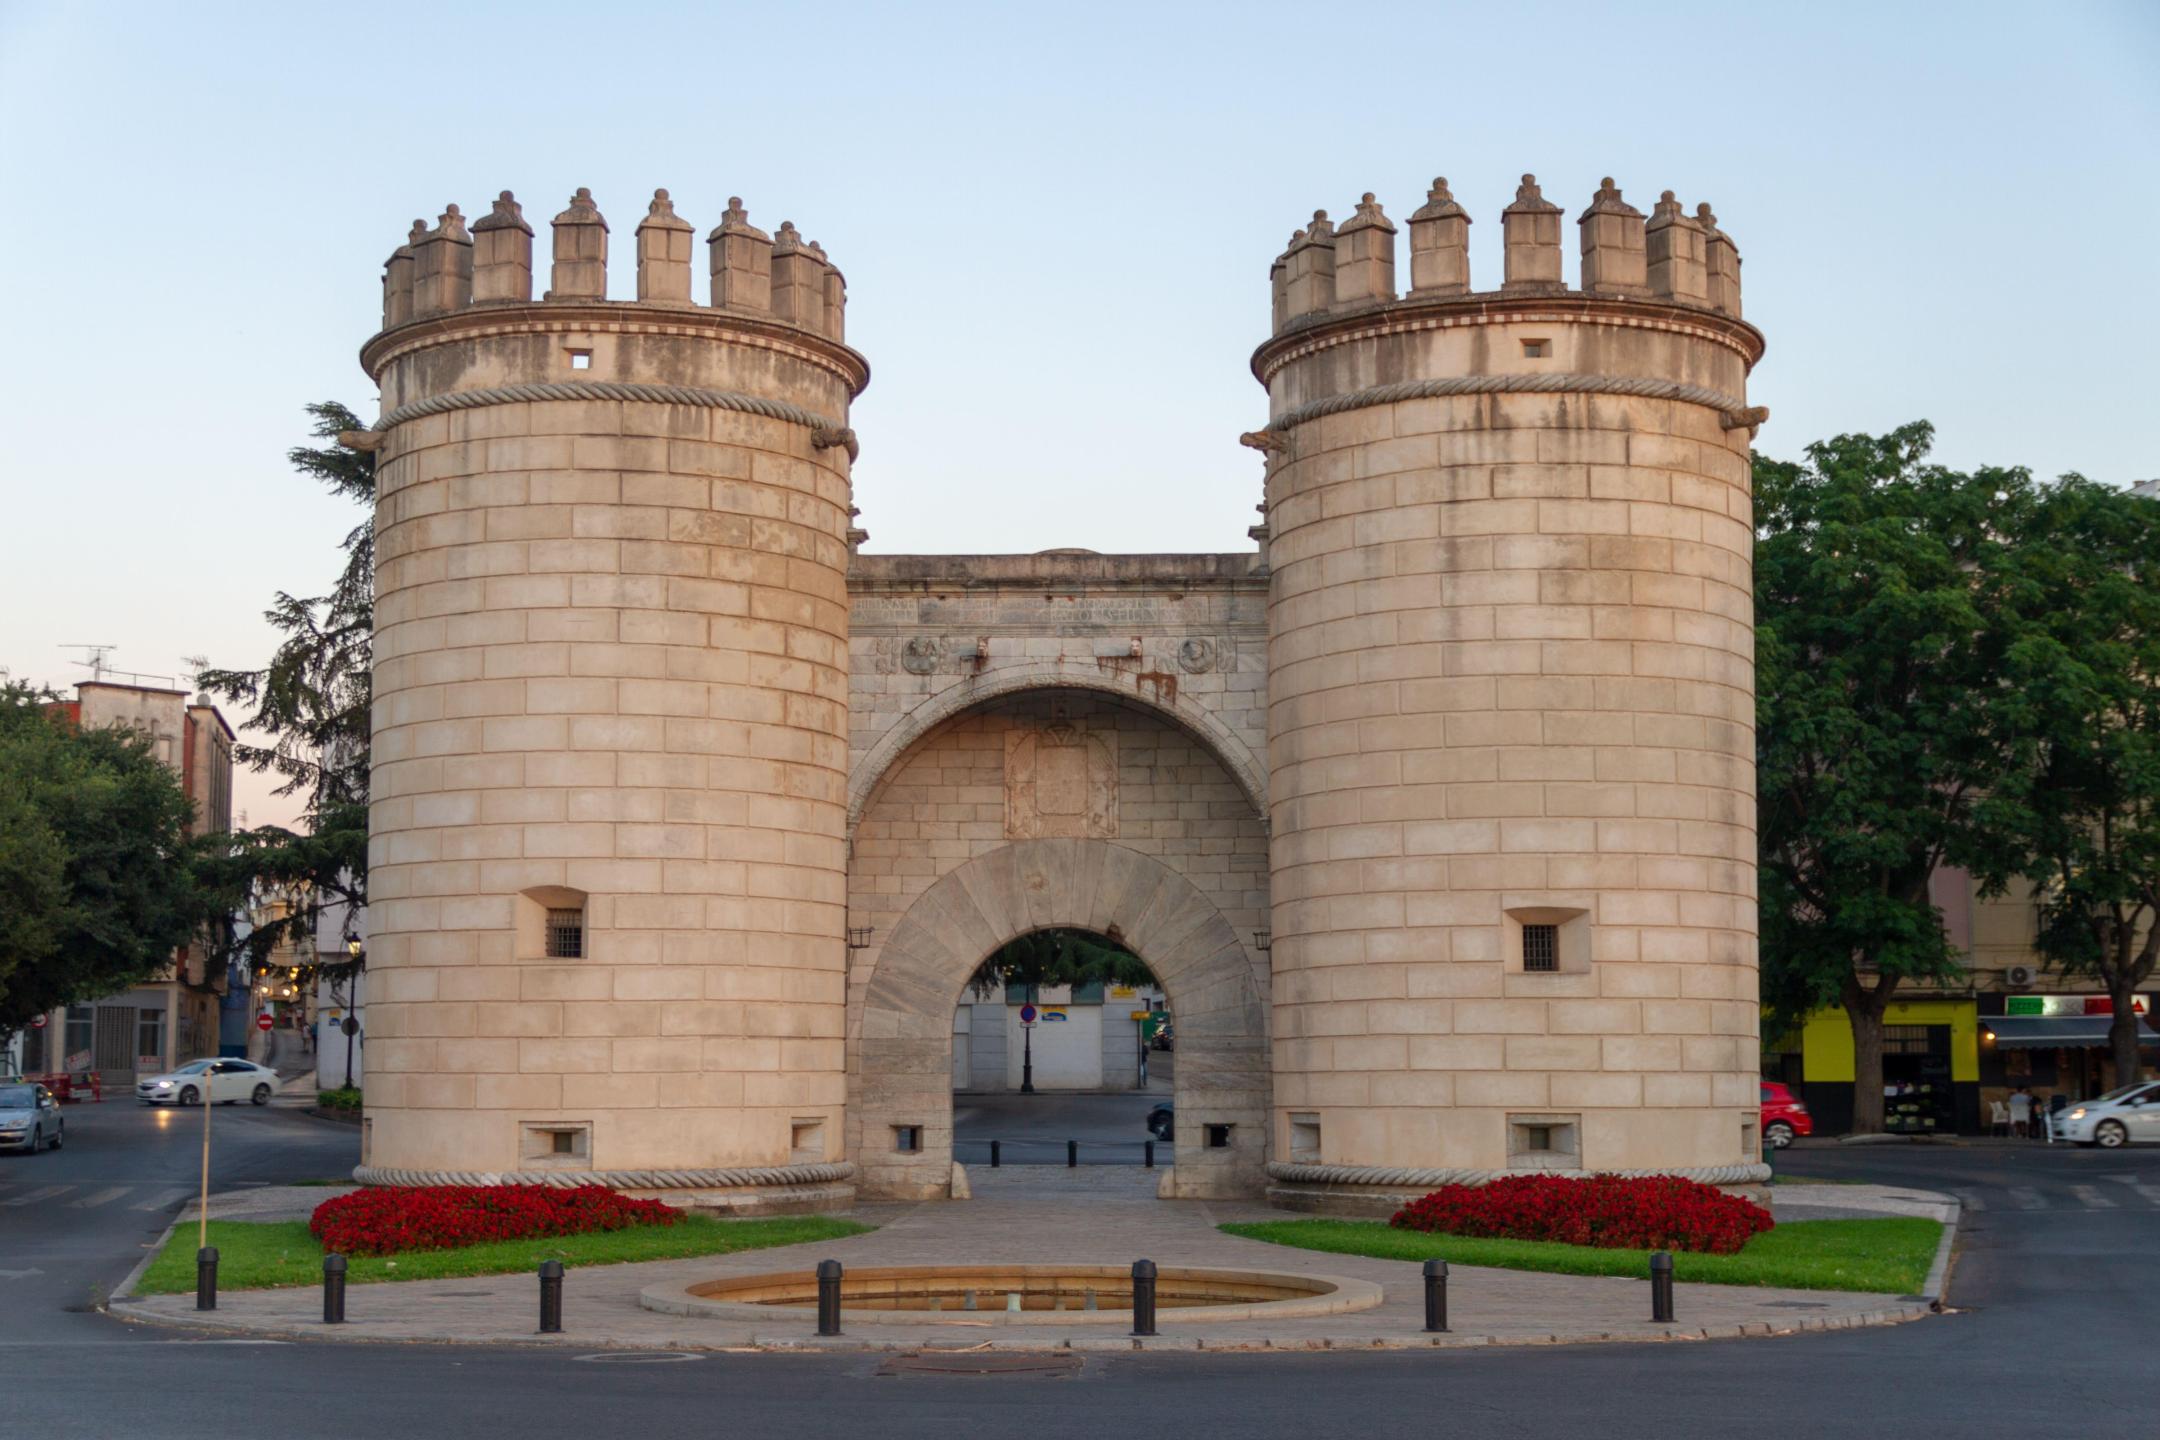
(450, 266)
(1668, 257)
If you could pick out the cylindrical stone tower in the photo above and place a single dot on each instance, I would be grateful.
(1511, 696)
(610, 733)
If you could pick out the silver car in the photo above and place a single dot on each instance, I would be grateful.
(30, 1119)
(2129, 1116)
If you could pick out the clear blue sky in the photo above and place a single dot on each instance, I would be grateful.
(1056, 224)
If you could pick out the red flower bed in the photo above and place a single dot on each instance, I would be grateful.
(1607, 1211)
(387, 1220)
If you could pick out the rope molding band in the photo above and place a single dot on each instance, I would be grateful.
(1733, 412)
(826, 434)
(732, 1179)
(1375, 1175)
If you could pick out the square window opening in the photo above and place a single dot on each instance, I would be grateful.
(1541, 947)
(1305, 1139)
(566, 934)
(806, 1139)
(557, 1145)
(581, 359)
(1218, 1136)
(1544, 1142)
(907, 1139)
(1537, 349)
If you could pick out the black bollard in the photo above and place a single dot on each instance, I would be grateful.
(551, 1297)
(1661, 1308)
(206, 1278)
(1148, 1153)
(993, 1154)
(1436, 1296)
(828, 1297)
(333, 1290)
(1072, 1153)
(1143, 1297)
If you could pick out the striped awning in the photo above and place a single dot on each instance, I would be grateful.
(2057, 1032)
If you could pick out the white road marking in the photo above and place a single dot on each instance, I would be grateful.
(46, 1193)
(163, 1200)
(2093, 1199)
(103, 1197)
(2028, 1198)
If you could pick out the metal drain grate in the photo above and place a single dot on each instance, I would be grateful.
(982, 1362)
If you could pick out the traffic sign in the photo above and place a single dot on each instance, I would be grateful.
(264, 1021)
(1027, 1014)
(37, 1022)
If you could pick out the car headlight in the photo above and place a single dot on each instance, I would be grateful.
(2078, 1114)
(164, 1084)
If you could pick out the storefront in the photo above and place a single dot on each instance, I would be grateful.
(2054, 1045)
(1931, 1068)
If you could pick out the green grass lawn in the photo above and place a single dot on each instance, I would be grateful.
(1889, 1256)
(255, 1255)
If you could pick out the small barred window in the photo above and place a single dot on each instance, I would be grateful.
(566, 934)
(1541, 947)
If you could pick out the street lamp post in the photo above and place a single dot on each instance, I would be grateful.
(351, 1027)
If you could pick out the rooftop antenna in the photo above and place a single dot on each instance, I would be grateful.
(94, 660)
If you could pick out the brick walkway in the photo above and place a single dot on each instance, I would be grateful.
(1027, 1214)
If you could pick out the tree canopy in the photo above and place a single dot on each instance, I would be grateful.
(1884, 618)
(1059, 957)
(97, 888)
(311, 701)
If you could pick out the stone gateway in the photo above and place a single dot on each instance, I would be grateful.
(1433, 816)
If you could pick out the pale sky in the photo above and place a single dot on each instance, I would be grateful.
(1056, 224)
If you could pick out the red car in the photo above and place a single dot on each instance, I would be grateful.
(1784, 1117)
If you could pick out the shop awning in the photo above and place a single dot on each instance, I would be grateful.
(2057, 1032)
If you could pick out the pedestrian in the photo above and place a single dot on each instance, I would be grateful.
(2021, 1109)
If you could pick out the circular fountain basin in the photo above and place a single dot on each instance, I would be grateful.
(975, 1295)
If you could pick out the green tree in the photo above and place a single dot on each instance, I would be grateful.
(1882, 625)
(311, 702)
(2085, 674)
(97, 886)
(1059, 957)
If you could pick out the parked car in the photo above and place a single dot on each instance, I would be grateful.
(30, 1119)
(1162, 1122)
(1784, 1117)
(226, 1082)
(2129, 1116)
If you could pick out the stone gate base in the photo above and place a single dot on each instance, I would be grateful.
(1373, 1193)
(746, 1190)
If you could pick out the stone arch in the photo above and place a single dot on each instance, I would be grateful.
(1053, 674)
(901, 1068)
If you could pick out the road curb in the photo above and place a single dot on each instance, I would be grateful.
(1938, 1279)
(357, 1331)
(126, 1288)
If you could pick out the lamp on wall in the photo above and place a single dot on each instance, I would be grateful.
(858, 937)
(1263, 940)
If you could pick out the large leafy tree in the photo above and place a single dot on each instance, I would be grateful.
(311, 704)
(97, 888)
(1883, 622)
(2085, 676)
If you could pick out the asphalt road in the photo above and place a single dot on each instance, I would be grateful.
(1033, 1129)
(2054, 1336)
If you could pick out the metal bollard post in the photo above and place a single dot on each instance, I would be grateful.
(551, 1273)
(1148, 1151)
(1661, 1306)
(828, 1297)
(1143, 1297)
(993, 1154)
(206, 1278)
(1436, 1296)
(333, 1290)
(1072, 1153)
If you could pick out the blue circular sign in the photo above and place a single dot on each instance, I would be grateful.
(1027, 1014)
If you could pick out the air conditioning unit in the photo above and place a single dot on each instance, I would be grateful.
(2020, 976)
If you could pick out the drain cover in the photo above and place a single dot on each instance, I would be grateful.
(981, 1362)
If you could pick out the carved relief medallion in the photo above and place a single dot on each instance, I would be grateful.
(920, 655)
(1060, 783)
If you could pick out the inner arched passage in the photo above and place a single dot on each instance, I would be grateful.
(901, 1059)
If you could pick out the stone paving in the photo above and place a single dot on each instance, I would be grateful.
(1027, 1214)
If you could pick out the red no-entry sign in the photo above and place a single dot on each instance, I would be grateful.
(263, 1021)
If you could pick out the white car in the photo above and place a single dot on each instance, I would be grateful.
(225, 1082)
(2129, 1116)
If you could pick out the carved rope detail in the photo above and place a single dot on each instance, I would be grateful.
(825, 433)
(1726, 405)
(753, 1175)
(1432, 1179)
